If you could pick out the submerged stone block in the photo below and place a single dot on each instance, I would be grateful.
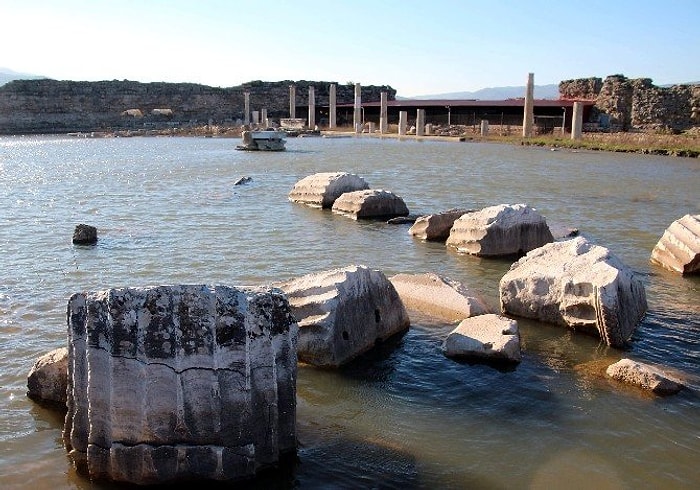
(679, 247)
(343, 313)
(485, 337)
(370, 204)
(180, 382)
(499, 230)
(322, 189)
(576, 284)
(436, 227)
(438, 296)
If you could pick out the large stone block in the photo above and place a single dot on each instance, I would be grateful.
(576, 284)
(438, 296)
(436, 227)
(679, 247)
(343, 313)
(370, 203)
(178, 382)
(322, 189)
(485, 337)
(499, 230)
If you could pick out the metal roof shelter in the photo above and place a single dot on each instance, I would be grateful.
(548, 112)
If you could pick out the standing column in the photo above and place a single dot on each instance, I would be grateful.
(312, 107)
(529, 114)
(246, 107)
(255, 119)
(403, 119)
(383, 122)
(263, 118)
(292, 101)
(420, 122)
(357, 113)
(484, 127)
(577, 121)
(331, 107)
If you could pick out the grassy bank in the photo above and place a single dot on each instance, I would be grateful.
(650, 143)
(680, 145)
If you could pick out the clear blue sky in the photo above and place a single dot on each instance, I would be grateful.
(417, 47)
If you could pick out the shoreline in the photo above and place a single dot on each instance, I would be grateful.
(685, 145)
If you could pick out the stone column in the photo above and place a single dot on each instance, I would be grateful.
(263, 118)
(420, 122)
(403, 119)
(577, 121)
(256, 117)
(529, 114)
(484, 127)
(312, 107)
(383, 121)
(246, 107)
(331, 107)
(357, 113)
(292, 101)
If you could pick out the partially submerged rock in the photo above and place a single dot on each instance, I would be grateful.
(560, 231)
(84, 235)
(343, 312)
(322, 189)
(243, 180)
(370, 203)
(679, 247)
(646, 376)
(48, 379)
(438, 296)
(499, 230)
(180, 382)
(486, 337)
(436, 227)
(576, 284)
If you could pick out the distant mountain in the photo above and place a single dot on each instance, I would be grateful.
(7, 75)
(496, 93)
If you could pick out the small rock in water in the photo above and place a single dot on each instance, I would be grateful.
(85, 235)
(243, 180)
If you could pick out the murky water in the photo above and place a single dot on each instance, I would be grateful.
(403, 416)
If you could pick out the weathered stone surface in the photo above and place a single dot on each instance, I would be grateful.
(180, 382)
(637, 103)
(645, 376)
(576, 284)
(84, 235)
(322, 189)
(48, 379)
(499, 230)
(436, 227)
(370, 203)
(490, 337)
(679, 247)
(438, 296)
(343, 313)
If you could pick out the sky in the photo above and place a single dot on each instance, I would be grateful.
(417, 47)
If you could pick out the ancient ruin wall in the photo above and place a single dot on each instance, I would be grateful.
(637, 103)
(52, 106)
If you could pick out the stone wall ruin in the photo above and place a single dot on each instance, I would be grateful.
(629, 104)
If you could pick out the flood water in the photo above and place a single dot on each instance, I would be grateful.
(403, 416)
